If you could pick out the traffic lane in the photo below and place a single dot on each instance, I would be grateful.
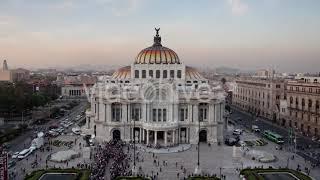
(247, 122)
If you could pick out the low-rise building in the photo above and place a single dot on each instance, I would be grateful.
(75, 86)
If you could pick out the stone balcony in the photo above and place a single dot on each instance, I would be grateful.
(155, 126)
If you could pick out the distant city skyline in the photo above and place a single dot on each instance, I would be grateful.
(244, 34)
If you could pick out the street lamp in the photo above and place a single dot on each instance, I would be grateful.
(134, 169)
(198, 169)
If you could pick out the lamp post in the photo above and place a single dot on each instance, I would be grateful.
(198, 169)
(199, 145)
(134, 169)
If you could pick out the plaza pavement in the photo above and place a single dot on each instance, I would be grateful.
(42, 156)
(212, 158)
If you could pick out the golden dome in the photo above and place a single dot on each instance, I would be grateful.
(157, 54)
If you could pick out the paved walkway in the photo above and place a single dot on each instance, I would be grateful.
(175, 149)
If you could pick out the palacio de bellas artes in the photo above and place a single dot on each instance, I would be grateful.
(157, 101)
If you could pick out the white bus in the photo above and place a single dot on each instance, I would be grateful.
(24, 153)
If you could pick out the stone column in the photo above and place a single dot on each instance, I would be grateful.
(179, 135)
(147, 136)
(129, 113)
(143, 111)
(189, 112)
(176, 112)
(140, 133)
(147, 112)
(124, 112)
(165, 138)
(173, 136)
(187, 135)
(143, 135)
(195, 113)
(169, 119)
(209, 113)
(215, 112)
(108, 112)
(155, 137)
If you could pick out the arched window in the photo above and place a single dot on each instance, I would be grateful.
(136, 73)
(179, 74)
(165, 74)
(157, 73)
(144, 74)
(116, 112)
(151, 73)
(291, 100)
(310, 103)
(303, 102)
(297, 101)
(171, 73)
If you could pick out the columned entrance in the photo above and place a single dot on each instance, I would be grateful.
(160, 138)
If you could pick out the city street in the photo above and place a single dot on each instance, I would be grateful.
(247, 121)
(305, 146)
(25, 139)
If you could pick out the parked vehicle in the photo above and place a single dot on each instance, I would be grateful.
(76, 130)
(314, 138)
(255, 128)
(11, 164)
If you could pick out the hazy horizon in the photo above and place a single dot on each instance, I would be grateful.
(244, 34)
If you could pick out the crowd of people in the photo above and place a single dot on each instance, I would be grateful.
(112, 154)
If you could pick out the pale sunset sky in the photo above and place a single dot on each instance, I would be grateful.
(245, 34)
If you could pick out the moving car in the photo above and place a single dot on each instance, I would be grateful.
(230, 141)
(237, 132)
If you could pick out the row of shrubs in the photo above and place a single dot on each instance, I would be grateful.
(131, 178)
(253, 174)
(81, 174)
(203, 178)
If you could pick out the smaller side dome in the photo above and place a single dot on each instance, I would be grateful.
(122, 73)
(192, 74)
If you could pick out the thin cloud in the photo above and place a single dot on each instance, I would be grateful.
(7, 20)
(238, 7)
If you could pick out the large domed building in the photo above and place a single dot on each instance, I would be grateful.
(157, 101)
